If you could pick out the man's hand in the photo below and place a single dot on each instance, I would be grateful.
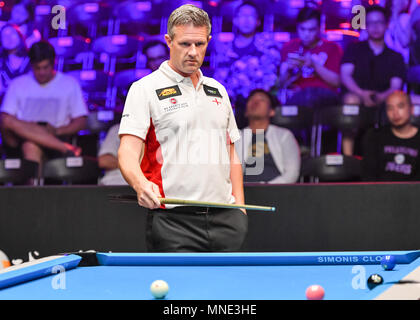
(368, 98)
(147, 195)
(52, 130)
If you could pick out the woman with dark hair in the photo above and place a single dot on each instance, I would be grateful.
(23, 15)
(14, 60)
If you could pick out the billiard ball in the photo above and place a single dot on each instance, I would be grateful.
(159, 289)
(388, 262)
(374, 280)
(315, 292)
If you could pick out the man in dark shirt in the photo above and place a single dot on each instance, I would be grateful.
(392, 153)
(370, 71)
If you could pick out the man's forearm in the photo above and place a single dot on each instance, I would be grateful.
(351, 85)
(129, 165)
(236, 177)
(108, 162)
(330, 77)
(72, 128)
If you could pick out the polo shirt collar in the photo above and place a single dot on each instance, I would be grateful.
(171, 73)
(385, 50)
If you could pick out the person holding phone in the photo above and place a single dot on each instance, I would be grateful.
(310, 65)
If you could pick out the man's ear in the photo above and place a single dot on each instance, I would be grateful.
(209, 38)
(168, 40)
(272, 112)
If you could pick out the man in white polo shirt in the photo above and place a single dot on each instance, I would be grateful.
(180, 126)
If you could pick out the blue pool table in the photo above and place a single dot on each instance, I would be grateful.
(206, 276)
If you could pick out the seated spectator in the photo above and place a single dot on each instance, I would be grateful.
(156, 53)
(23, 15)
(370, 71)
(108, 158)
(41, 109)
(14, 60)
(310, 65)
(248, 62)
(392, 153)
(268, 153)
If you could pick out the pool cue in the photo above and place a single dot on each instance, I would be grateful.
(128, 198)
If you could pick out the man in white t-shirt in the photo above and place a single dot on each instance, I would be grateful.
(42, 107)
(179, 125)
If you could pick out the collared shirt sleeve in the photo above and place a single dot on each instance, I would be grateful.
(76, 103)
(136, 116)
(232, 129)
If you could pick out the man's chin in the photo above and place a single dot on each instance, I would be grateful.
(399, 126)
(191, 69)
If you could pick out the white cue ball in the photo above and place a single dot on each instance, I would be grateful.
(159, 289)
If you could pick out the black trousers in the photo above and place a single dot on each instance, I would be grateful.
(194, 229)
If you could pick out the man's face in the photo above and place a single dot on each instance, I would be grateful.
(258, 107)
(308, 32)
(376, 25)
(188, 48)
(398, 110)
(155, 56)
(43, 71)
(246, 20)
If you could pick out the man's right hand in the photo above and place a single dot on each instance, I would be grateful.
(147, 195)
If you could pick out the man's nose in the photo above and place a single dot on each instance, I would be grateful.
(193, 50)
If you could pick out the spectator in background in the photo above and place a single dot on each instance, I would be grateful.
(248, 62)
(23, 15)
(14, 60)
(274, 147)
(108, 158)
(413, 76)
(392, 152)
(156, 53)
(310, 65)
(397, 36)
(41, 109)
(370, 71)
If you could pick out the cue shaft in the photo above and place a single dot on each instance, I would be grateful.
(214, 204)
(133, 198)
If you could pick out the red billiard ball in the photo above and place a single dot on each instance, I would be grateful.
(315, 292)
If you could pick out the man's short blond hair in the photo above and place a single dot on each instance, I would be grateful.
(188, 14)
